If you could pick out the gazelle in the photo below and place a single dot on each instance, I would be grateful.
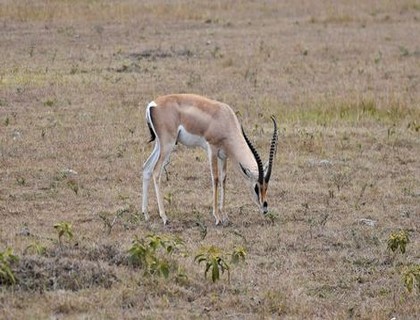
(196, 121)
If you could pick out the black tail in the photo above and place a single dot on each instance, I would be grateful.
(152, 133)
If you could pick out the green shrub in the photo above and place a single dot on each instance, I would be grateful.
(151, 253)
(411, 277)
(6, 259)
(215, 260)
(398, 239)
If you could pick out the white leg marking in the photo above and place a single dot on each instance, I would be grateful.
(148, 168)
(150, 163)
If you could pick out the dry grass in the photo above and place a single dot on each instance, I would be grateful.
(342, 79)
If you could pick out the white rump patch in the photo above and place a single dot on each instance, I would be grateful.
(151, 104)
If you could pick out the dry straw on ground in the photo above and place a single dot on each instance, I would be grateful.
(341, 77)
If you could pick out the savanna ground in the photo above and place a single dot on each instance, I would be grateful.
(342, 79)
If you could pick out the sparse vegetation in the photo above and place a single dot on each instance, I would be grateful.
(7, 258)
(37, 248)
(216, 260)
(398, 240)
(411, 277)
(341, 237)
(145, 253)
(64, 229)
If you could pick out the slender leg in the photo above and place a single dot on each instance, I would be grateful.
(146, 181)
(222, 177)
(156, 181)
(148, 168)
(157, 174)
(215, 181)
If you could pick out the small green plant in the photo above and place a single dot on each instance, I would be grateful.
(168, 243)
(398, 239)
(49, 102)
(413, 125)
(201, 225)
(169, 198)
(147, 253)
(214, 261)
(21, 181)
(238, 255)
(36, 248)
(6, 259)
(64, 229)
(411, 277)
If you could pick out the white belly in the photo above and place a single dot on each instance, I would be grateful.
(190, 140)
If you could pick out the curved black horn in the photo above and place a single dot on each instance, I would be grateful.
(257, 158)
(273, 150)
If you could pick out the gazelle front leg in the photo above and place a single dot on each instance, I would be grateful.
(146, 180)
(156, 181)
(157, 174)
(222, 179)
(215, 180)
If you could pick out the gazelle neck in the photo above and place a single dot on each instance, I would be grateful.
(242, 155)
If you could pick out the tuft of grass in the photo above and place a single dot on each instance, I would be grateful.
(37, 248)
(398, 240)
(7, 258)
(329, 112)
(411, 277)
(64, 229)
(49, 102)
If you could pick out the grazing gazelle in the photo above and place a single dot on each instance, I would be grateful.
(197, 121)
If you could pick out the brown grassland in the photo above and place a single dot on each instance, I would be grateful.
(342, 79)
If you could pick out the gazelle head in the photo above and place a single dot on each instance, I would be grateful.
(259, 184)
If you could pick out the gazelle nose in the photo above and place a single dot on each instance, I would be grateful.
(265, 207)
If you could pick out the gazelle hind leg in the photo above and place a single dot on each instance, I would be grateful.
(148, 168)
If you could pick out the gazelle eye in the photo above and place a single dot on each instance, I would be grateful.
(257, 190)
